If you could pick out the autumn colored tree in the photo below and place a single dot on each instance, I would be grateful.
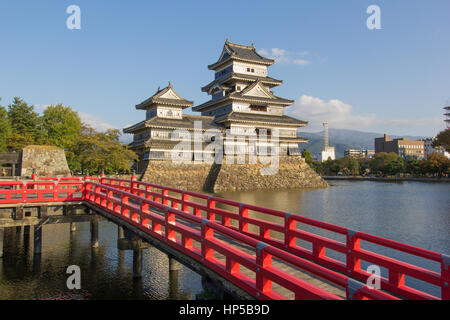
(101, 151)
(436, 164)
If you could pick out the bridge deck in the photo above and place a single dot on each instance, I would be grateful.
(323, 284)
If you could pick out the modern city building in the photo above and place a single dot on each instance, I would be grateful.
(404, 147)
(358, 153)
(243, 107)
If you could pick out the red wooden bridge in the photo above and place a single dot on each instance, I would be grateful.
(256, 249)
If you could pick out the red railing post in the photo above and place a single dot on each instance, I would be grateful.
(445, 274)
(170, 220)
(109, 198)
(289, 225)
(184, 199)
(211, 205)
(263, 260)
(132, 184)
(86, 188)
(148, 189)
(164, 194)
(207, 234)
(124, 210)
(353, 243)
(243, 213)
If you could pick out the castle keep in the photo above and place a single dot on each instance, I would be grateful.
(242, 107)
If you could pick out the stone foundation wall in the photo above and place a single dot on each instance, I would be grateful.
(293, 172)
(47, 160)
(184, 176)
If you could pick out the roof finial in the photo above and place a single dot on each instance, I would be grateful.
(253, 45)
(159, 88)
(227, 40)
(170, 84)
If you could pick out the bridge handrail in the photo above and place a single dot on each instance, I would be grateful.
(103, 196)
(351, 247)
(74, 190)
(38, 191)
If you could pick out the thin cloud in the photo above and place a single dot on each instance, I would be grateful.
(301, 62)
(95, 121)
(285, 57)
(341, 115)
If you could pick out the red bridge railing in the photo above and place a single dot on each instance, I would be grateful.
(136, 210)
(288, 232)
(133, 201)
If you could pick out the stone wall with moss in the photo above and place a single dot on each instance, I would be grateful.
(46, 160)
(293, 172)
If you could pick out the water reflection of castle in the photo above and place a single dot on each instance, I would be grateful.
(241, 101)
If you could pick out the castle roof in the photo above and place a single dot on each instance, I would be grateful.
(271, 82)
(234, 51)
(255, 93)
(260, 118)
(166, 96)
(187, 122)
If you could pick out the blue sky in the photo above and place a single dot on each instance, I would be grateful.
(393, 80)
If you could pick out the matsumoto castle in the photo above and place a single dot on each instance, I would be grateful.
(242, 103)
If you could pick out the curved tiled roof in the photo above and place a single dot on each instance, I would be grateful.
(254, 118)
(240, 52)
(244, 77)
(158, 99)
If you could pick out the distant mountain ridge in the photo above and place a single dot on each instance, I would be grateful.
(343, 139)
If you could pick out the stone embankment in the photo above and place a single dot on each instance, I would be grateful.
(293, 172)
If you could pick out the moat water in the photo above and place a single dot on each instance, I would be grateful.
(416, 213)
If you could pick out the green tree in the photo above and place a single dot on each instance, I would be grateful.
(307, 156)
(443, 140)
(331, 167)
(101, 151)
(25, 125)
(413, 166)
(5, 129)
(354, 166)
(61, 126)
(387, 163)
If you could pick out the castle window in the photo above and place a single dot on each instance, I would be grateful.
(263, 131)
(258, 108)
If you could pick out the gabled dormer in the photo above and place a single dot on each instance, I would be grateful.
(257, 89)
(165, 103)
(218, 91)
